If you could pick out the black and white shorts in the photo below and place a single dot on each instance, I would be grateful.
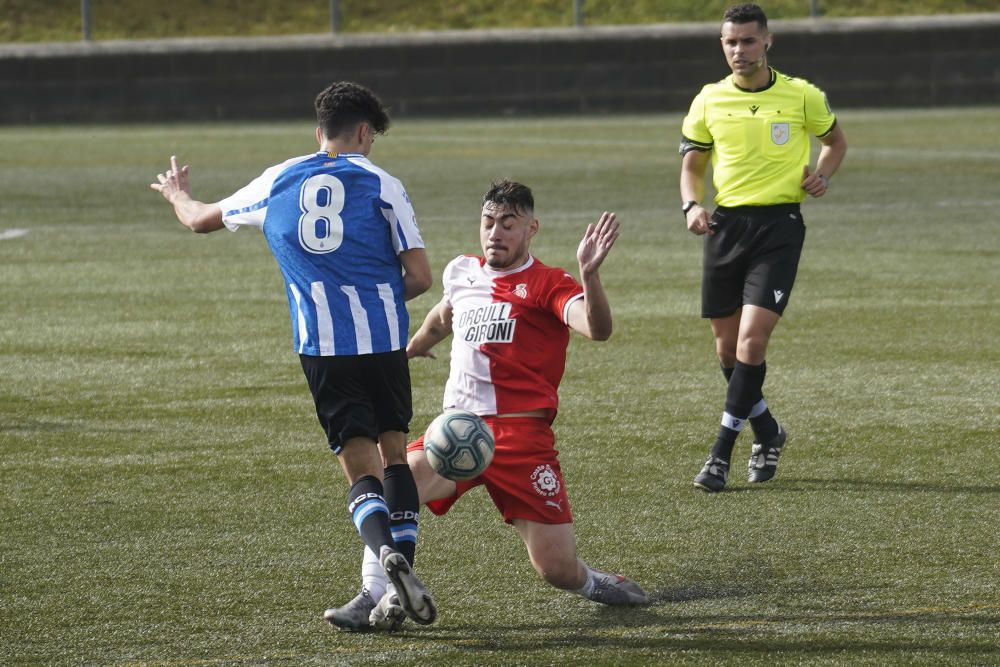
(752, 258)
(360, 396)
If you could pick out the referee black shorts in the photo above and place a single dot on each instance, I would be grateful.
(360, 396)
(752, 258)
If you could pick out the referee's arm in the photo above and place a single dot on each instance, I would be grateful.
(692, 185)
(831, 154)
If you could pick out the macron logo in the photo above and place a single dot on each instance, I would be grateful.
(778, 295)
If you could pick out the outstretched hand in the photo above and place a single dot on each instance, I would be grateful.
(596, 243)
(174, 181)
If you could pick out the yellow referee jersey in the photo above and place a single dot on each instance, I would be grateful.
(759, 140)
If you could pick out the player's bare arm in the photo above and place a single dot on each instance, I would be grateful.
(175, 187)
(417, 277)
(434, 329)
(692, 186)
(591, 316)
(831, 155)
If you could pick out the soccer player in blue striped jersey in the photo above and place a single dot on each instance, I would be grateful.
(345, 237)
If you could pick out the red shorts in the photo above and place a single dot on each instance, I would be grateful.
(524, 479)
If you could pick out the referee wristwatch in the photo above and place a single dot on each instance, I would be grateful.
(687, 206)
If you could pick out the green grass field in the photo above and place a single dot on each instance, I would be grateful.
(60, 20)
(166, 497)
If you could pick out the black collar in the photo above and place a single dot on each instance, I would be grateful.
(774, 77)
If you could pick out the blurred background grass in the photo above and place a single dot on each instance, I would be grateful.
(59, 20)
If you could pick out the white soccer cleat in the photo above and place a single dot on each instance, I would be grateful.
(413, 597)
(388, 614)
(616, 590)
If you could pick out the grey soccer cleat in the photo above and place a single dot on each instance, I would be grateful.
(353, 616)
(387, 615)
(712, 477)
(614, 589)
(413, 597)
(764, 458)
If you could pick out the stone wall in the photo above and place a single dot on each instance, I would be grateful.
(912, 61)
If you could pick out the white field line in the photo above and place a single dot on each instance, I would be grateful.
(12, 234)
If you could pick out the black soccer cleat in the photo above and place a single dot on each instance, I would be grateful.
(712, 477)
(353, 616)
(764, 458)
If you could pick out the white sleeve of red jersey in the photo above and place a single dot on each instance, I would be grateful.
(560, 294)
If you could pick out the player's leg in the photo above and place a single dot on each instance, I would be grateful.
(390, 616)
(743, 392)
(767, 292)
(748, 377)
(715, 471)
(403, 527)
(390, 592)
(404, 590)
(764, 426)
(726, 332)
(400, 493)
(345, 410)
(390, 386)
(722, 284)
(552, 550)
(341, 388)
(362, 466)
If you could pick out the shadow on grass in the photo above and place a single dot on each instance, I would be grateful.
(720, 631)
(638, 631)
(793, 484)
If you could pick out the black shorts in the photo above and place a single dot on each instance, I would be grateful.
(752, 258)
(360, 396)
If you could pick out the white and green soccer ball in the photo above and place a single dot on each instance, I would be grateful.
(458, 445)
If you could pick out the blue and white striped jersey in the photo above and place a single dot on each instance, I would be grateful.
(335, 225)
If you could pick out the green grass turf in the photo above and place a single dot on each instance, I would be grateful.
(166, 497)
(60, 20)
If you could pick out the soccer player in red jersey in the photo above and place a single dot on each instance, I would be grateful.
(510, 316)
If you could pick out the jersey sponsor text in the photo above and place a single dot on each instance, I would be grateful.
(491, 323)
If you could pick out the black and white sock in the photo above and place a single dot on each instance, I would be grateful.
(743, 394)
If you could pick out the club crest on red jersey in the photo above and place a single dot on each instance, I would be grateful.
(521, 290)
(545, 481)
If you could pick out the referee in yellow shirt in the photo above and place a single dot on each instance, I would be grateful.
(754, 125)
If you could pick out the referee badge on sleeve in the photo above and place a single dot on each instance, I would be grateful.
(780, 133)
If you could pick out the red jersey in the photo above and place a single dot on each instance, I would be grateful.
(510, 334)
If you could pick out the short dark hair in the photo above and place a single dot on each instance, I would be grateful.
(745, 13)
(342, 105)
(510, 193)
